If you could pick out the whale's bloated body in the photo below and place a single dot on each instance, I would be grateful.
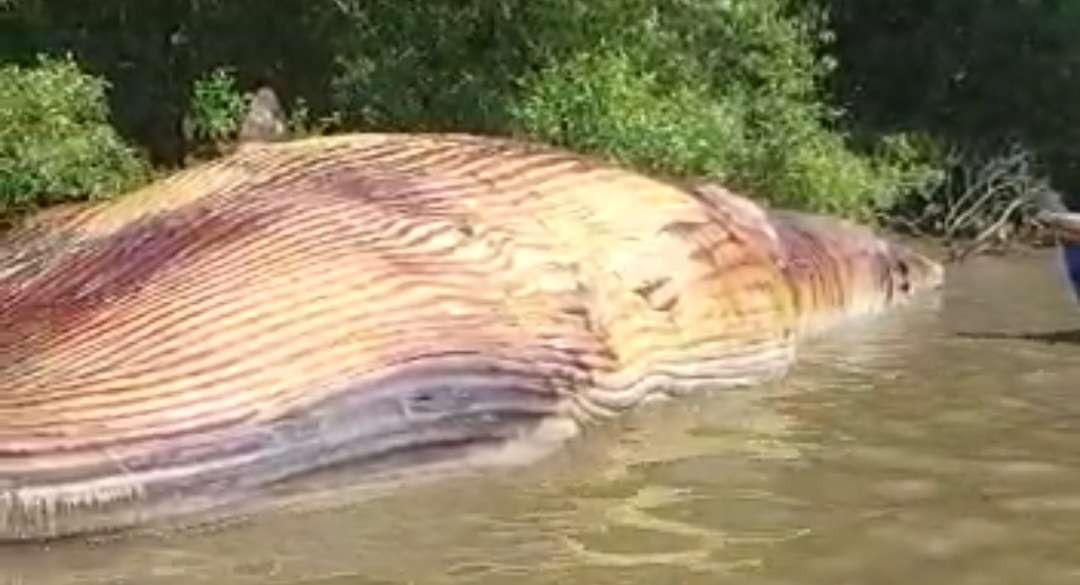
(349, 299)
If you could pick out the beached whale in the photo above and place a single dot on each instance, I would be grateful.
(368, 298)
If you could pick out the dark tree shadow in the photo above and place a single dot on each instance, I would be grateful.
(151, 53)
(1070, 336)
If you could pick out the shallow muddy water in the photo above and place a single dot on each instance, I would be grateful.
(938, 444)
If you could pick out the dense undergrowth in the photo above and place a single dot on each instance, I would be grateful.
(56, 142)
(740, 92)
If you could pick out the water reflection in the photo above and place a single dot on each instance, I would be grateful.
(1064, 336)
(937, 444)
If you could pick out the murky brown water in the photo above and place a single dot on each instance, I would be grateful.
(939, 444)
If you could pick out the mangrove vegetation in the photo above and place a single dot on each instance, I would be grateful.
(946, 117)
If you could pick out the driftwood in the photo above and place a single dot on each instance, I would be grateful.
(985, 203)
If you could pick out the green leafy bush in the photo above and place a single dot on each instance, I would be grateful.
(731, 90)
(217, 108)
(430, 66)
(605, 104)
(56, 143)
(727, 89)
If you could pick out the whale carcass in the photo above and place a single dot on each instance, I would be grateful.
(364, 298)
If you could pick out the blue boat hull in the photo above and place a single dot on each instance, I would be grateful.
(1071, 254)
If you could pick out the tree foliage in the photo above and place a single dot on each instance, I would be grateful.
(153, 52)
(735, 90)
(217, 107)
(732, 90)
(56, 140)
(982, 75)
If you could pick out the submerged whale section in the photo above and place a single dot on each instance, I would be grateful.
(301, 305)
